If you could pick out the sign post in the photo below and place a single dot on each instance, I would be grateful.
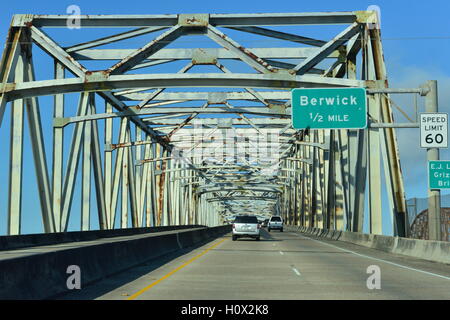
(329, 108)
(434, 196)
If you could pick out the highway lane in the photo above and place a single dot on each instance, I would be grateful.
(283, 266)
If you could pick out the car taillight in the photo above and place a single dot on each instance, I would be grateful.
(259, 226)
(233, 226)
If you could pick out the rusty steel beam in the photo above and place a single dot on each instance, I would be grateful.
(164, 175)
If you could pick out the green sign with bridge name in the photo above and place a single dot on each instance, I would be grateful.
(439, 174)
(329, 108)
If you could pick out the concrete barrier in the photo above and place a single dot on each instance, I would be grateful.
(41, 272)
(436, 251)
(43, 239)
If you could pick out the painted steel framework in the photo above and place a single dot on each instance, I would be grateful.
(141, 153)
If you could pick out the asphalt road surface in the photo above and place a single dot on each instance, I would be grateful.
(282, 266)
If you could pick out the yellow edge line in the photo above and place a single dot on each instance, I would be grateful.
(135, 295)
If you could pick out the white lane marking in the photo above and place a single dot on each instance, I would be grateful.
(377, 259)
(296, 271)
(281, 252)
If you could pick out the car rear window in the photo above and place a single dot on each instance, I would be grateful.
(246, 219)
(276, 219)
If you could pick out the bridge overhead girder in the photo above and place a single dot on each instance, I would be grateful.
(177, 146)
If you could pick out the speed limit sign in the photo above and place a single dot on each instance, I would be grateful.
(433, 130)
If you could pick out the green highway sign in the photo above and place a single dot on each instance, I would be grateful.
(329, 108)
(439, 174)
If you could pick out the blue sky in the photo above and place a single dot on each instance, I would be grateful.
(416, 40)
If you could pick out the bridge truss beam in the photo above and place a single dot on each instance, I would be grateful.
(174, 147)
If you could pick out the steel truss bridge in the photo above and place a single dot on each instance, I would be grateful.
(185, 119)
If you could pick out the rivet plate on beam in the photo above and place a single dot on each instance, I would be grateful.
(201, 56)
(193, 20)
(22, 20)
(366, 17)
